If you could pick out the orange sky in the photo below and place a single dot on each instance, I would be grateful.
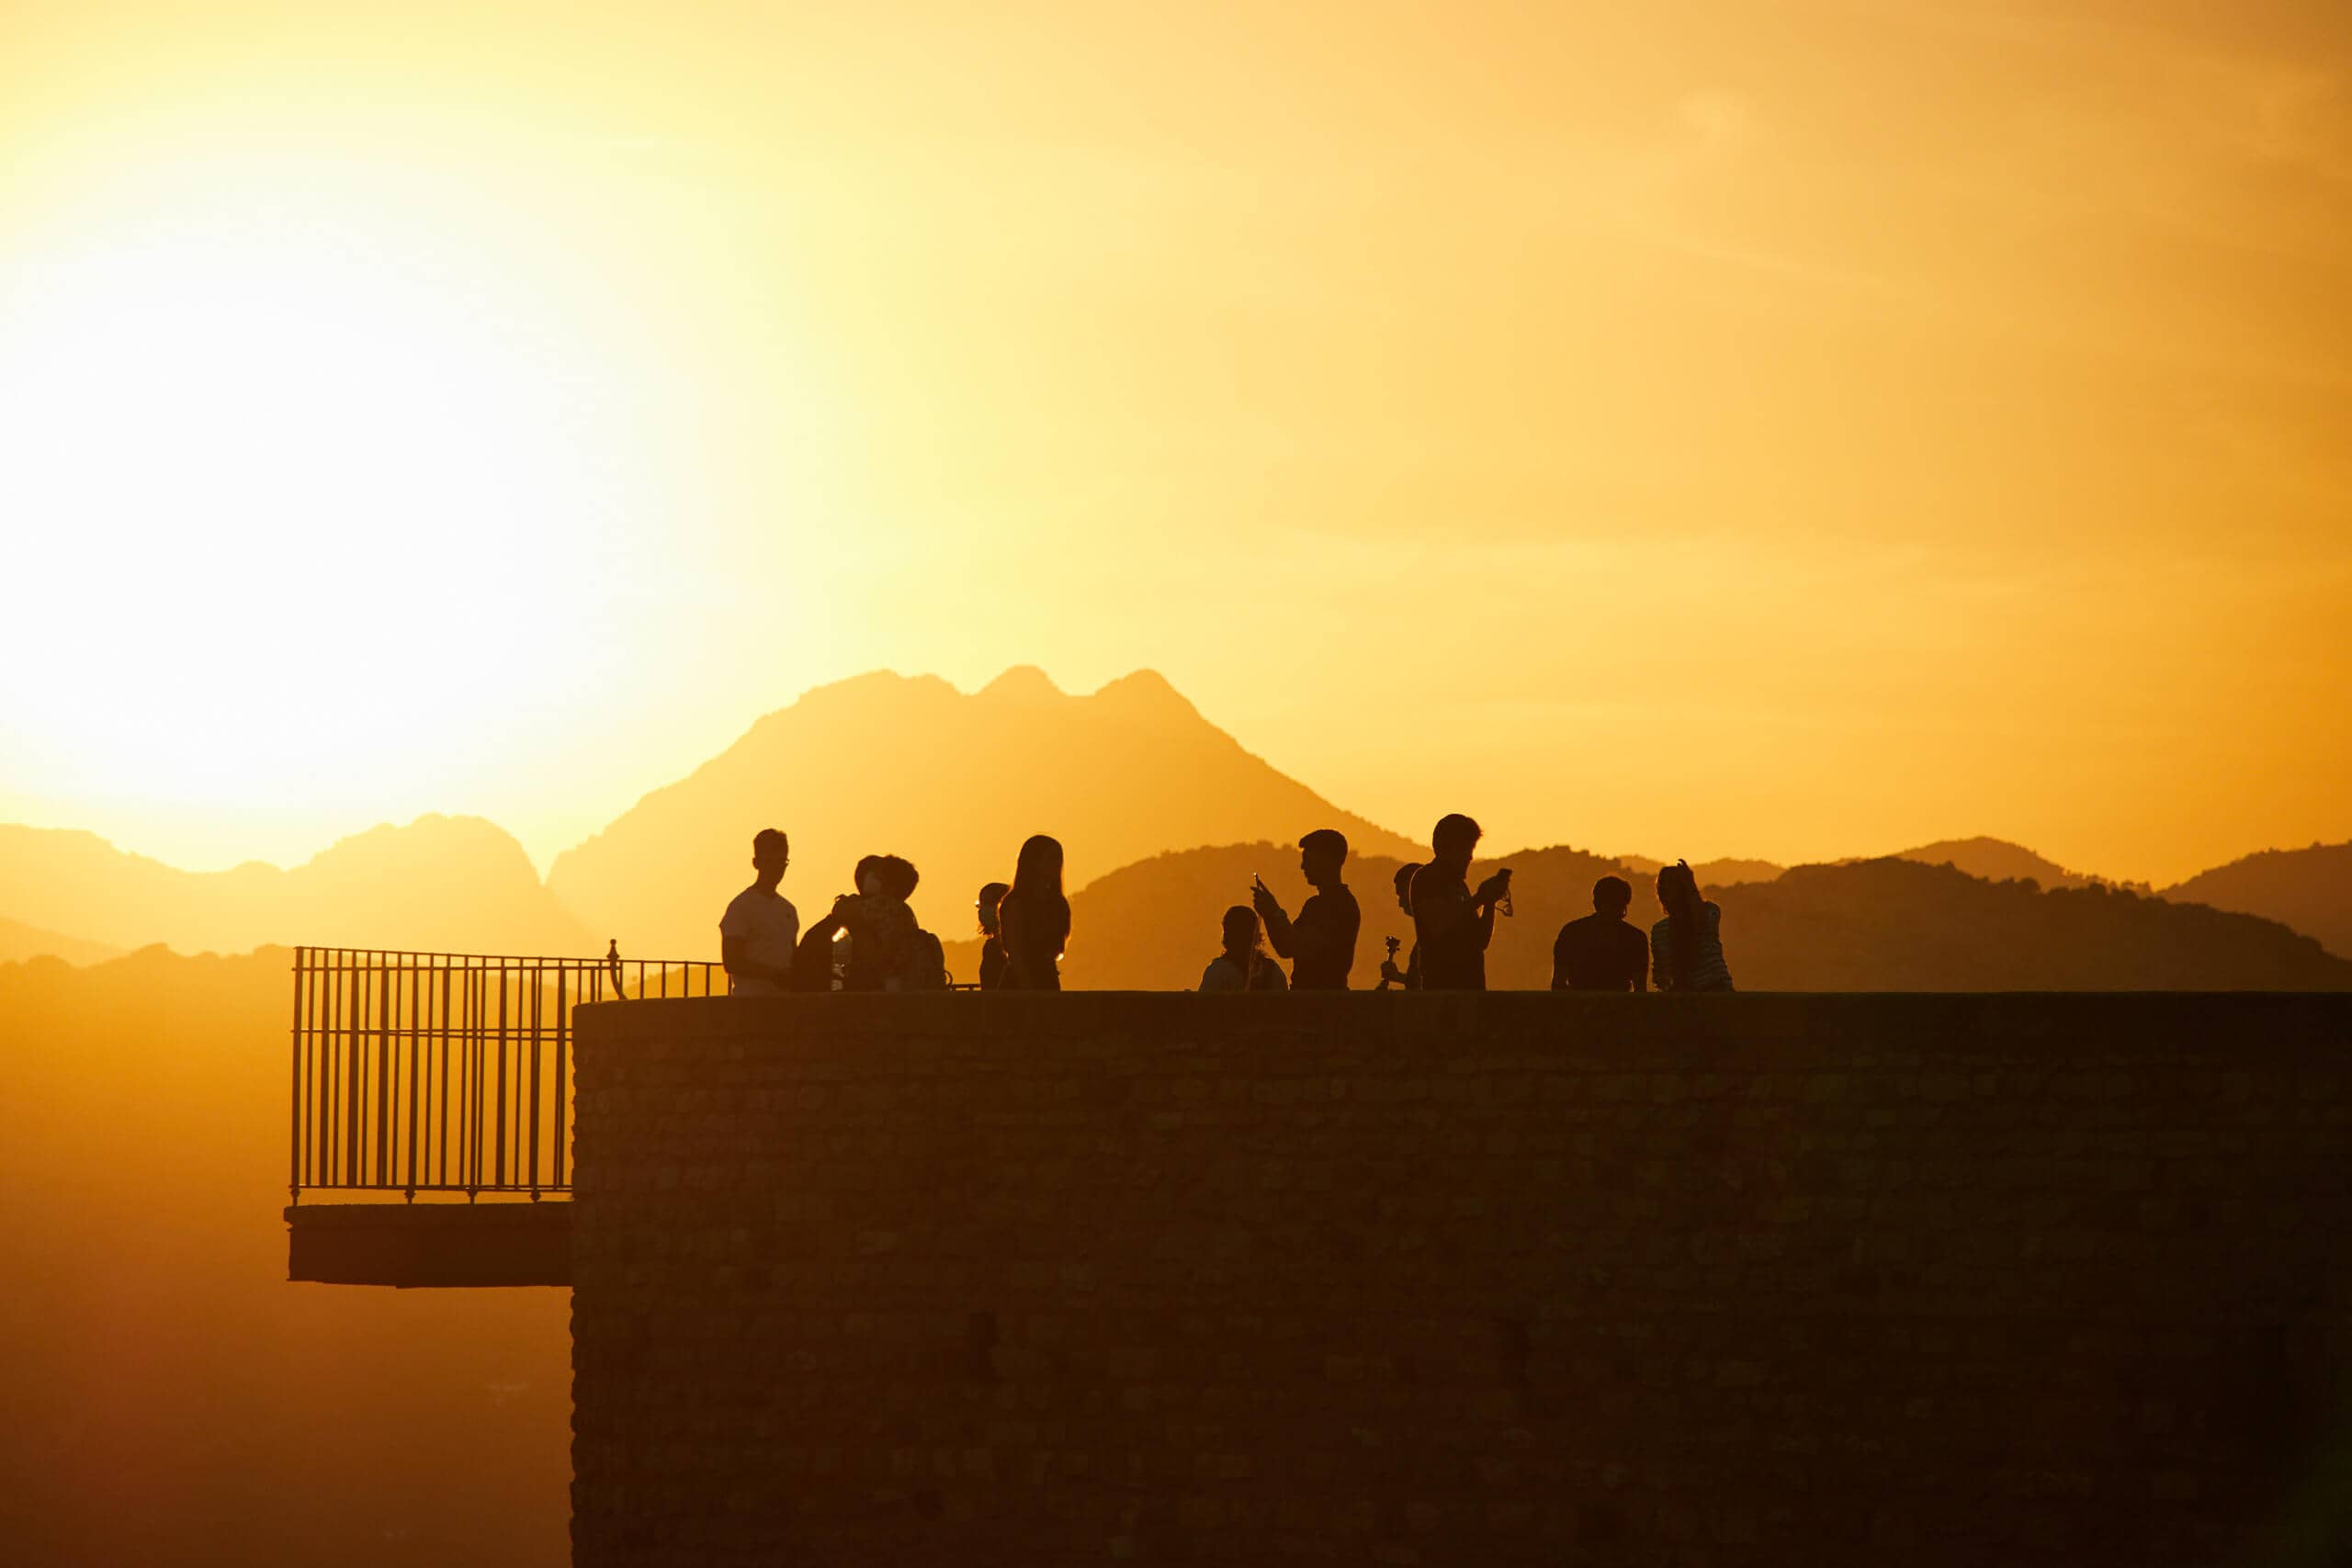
(1791, 430)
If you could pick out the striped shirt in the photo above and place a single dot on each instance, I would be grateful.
(1710, 973)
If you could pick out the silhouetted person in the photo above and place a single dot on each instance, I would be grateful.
(1032, 920)
(1601, 951)
(823, 966)
(1687, 947)
(1451, 923)
(1409, 976)
(923, 967)
(1322, 943)
(1243, 966)
(991, 946)
(880, 928)
(761, 928)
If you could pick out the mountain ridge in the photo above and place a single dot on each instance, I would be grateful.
(439, 883)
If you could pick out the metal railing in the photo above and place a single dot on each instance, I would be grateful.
(449, 1072)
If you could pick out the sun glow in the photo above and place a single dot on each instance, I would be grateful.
(300, 456)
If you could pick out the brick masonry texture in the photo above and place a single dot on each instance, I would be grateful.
(1511, 1279)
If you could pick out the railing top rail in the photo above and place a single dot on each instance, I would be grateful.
(398, 952)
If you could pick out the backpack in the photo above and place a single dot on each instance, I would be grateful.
(926, 964)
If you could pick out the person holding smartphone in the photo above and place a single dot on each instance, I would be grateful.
(1322, 943)
(1454, 924)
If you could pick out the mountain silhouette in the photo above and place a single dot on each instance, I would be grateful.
(454, 884)
(1710, 872)
(19, 940)
(1889, 924)
(909, 765)
(1898, 925)
(1993, 859)
(2310, 889)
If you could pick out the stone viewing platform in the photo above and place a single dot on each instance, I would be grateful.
(1418, 1279)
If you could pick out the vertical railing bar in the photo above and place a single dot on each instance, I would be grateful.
(415, 1035)
(321, 984)
(386, 987)
(355, 1072)
(333, 1049)
(470, 1088)
(476, 1076)
(441, 1125)
(561, 1131)
(538, 993)
(294, 1153)
(498, 1171)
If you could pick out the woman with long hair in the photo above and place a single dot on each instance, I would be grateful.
(1687, 947)
(1032, 920)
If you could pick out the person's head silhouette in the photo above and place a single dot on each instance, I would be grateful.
(1678, 888)
(771, 853)
(1454, 840)
(991, 894)
(1403, 880)
(899, 877)
(1611, 896)
(1039, 869)
(867, 878)
(1321, 855)
(1241, 935)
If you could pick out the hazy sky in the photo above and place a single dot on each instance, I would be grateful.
(1694, 428)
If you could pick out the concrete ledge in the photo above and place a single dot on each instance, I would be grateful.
(425, 1245)
(1501, 1280)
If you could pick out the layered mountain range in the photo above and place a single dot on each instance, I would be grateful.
(1165, 818)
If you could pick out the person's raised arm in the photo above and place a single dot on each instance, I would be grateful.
(1280, 935)
(1490, 892)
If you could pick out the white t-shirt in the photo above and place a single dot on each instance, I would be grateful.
(770, 927)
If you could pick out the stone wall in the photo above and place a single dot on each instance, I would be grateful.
(1464, 1280)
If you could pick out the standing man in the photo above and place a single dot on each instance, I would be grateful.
(1453, 924)
(1602, 951)
(761, 928)
(1322, 943)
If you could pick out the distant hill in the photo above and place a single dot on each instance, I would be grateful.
(1890, 924)
(19, 941)
(1994, 860)
(1710, 872)
(911, 766)
(1897, 925)
(2308, 889)
(444, 883)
